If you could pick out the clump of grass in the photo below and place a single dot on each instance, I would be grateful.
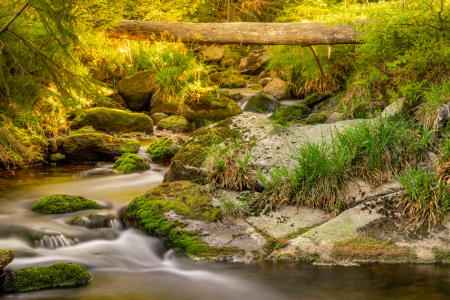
(442, 164)
(435, 97)
(233, 207)
(383, 148)
(425, 199)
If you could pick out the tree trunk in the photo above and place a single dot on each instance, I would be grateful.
(304, 34)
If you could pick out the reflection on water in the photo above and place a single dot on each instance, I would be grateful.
(127, 264)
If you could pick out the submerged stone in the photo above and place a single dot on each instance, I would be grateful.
(93, 221)
(130, 163)
(96, 147)
(34, 279)
(62, 203)
(113, 120)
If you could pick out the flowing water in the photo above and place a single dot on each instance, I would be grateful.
(127, 264)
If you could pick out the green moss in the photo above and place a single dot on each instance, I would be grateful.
(442, 257)
(86, 129)
(62, 203)
(181, 197)
(273, 243)
(175, 123)
(6, 257)
(298, 233)
(34, 279)
(291, 113)
(228, 79)
(262, 103)
(57, 157)
(317, 118)
(163, 150)
(113, 120)
(130, 163)
(257, 87)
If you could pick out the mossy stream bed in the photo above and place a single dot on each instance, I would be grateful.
(127, 264)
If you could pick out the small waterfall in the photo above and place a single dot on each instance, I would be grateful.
(55, 241)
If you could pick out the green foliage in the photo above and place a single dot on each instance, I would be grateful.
(291, 113)
(443, 257)
(57, 275)
(130, 163)
(62, 203)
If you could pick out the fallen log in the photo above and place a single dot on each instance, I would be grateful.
(304, 34)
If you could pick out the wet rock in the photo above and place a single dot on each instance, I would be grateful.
(34, 279)
(137, 90)
(130, 163)
(156, 117)
(288, 220)
(24, 253)
(186, 220)
(93, 221)
(95, 147)
(175, 124)
(277, 89)
(52, 147)
(6, 257)
(211, 106)
(63, 203)
(334, 117)
(164, 149)
(262, 104)
(237, 96)
(254, 64)
(291, 113)
(113, 120)
(265, 81)
(228, 79)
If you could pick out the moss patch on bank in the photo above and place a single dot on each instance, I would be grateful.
(371, 250)
(34, 279)
(146, 212)
(130, 163)
(62, 203)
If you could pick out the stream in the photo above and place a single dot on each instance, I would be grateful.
(127, 264)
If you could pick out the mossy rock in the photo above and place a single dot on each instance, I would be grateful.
(229, 79)
(130, 163)
(211, 106)
(317, 98)
(156, 117)
(6, 257)
(57, 157)
(147, 213)
(262, 104)
(137, 90)
(291, 113)
(93, 221)
(34, 279)
(175, 123)
(187, 163)
(113, 120)
(163, 150)
(62, 203)
(85, 129)
(257, 87)
(96, 147)
(317, 118)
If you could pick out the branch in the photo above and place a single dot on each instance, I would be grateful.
(5, 28)
(14, 58)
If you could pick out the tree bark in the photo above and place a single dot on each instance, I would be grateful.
(304, 34)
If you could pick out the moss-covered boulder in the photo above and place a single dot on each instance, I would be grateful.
(213, 53)
(6, 257)
(163, 150)
(317, 118)
(254, 64)
(34, 279)
(277, 89)
(291, 113)
(57, 157)
(156, 117)
(186, 221)
(230, 80)
(137, 90)
(93, 221)
(175, 123)
(130, 163)
(187, 163)
(85, 129)
(210, 106)
(62, 203)
(262, 104)
(95, 147)
(113, 120)
(317, 98)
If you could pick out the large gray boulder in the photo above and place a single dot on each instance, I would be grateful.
(137, 90)
(277, 89)
(213, 53)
